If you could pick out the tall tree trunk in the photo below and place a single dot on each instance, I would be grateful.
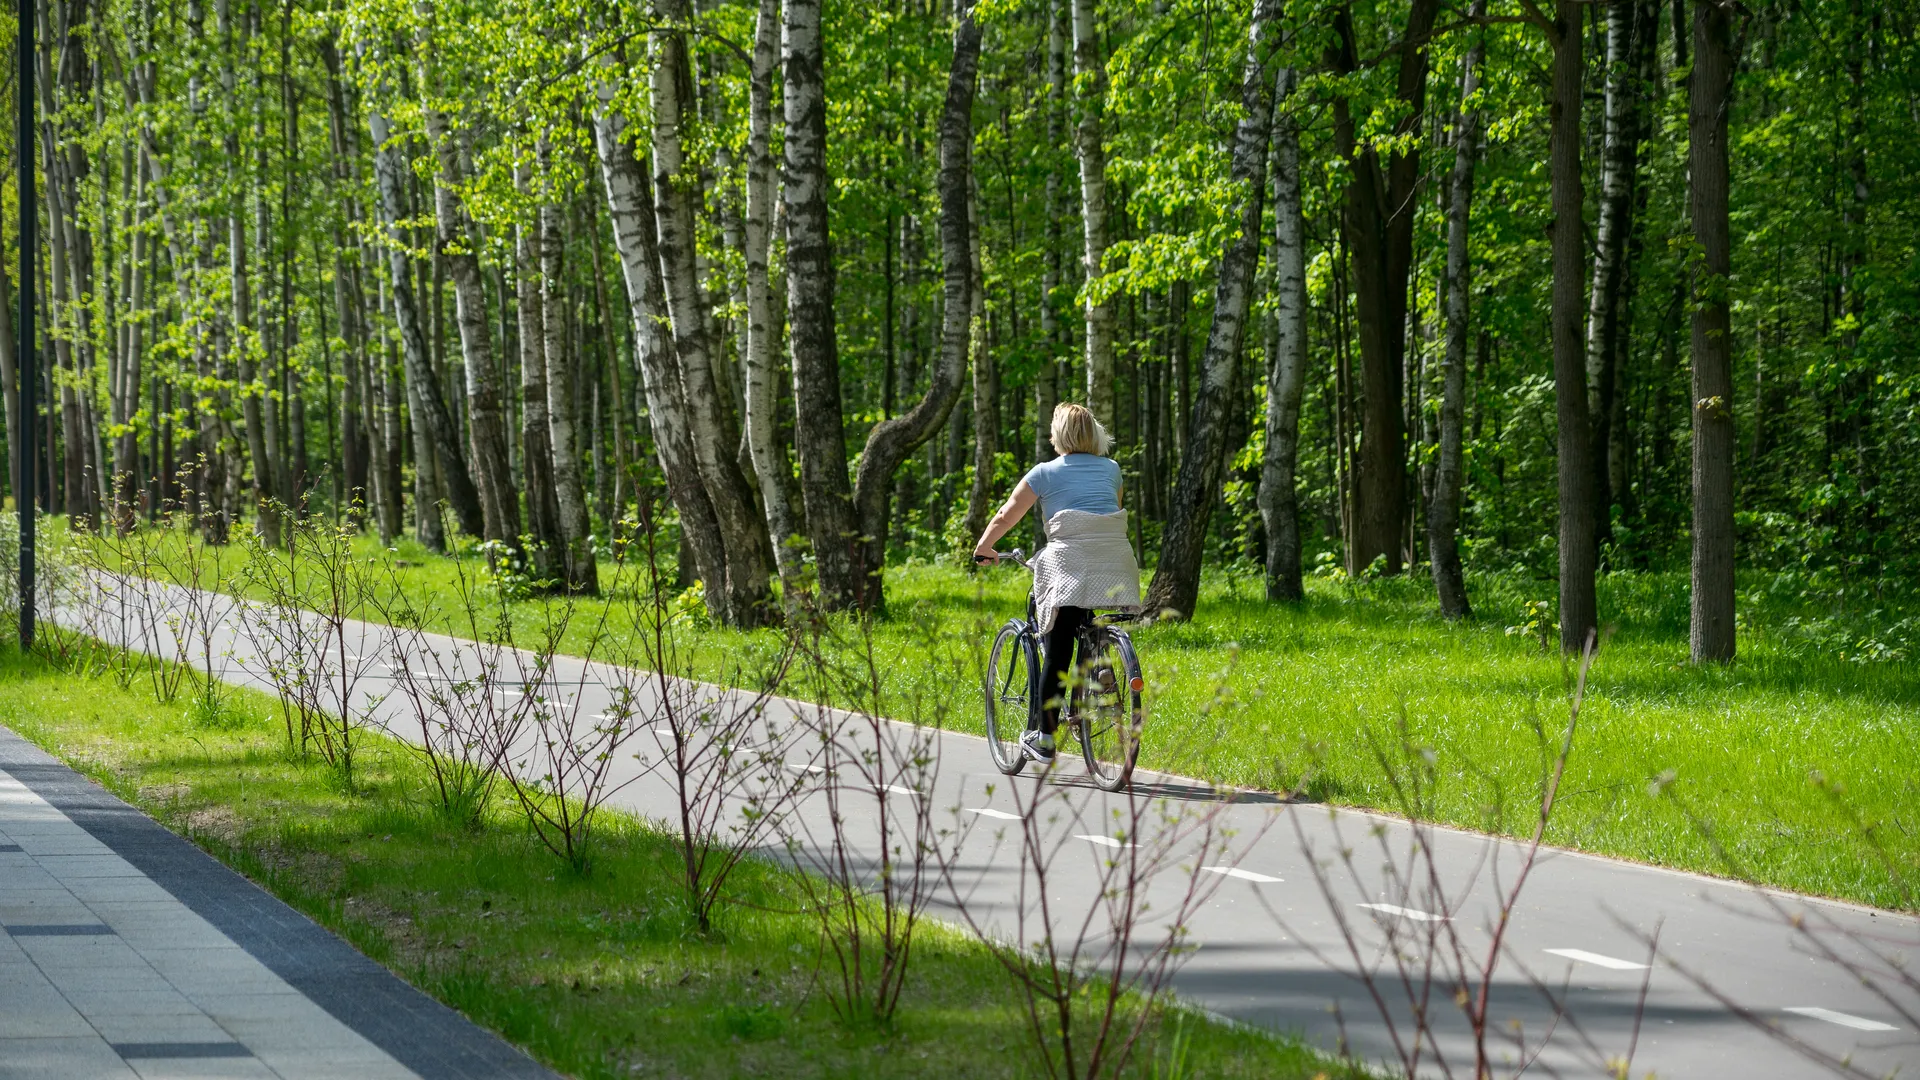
(347, 298)
(819, 433)
(459, 246)
(764, 445)
(384, 435)
(676, 189)
(1287, 360)
(1380, 207)
(636, 237)
(269, 354)
(986, 388)
(1578, 607)
(127, 454)
(1176, 583)
(536, 444)
(1443, 511)
(1709, 98)
(576, 552)
(10, 381)
(1619, 165)
(1047, 382)
(893, 440)
(442, 433)
(1089, 145)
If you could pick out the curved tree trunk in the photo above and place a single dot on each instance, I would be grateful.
(715, 442)
(576, 552)
(486, 418)
(892, 441)
(1443, 512)
(818, 428)
(1578, 614)
(768, 453)
(1089, 145)
(433, 417)
(635, 235)
(1176, 583)
(1287, 362)
(1712, 630)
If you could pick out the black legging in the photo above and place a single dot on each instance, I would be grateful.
(1067, 624)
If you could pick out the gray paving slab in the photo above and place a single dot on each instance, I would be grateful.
(62, 1057)
(126, 952)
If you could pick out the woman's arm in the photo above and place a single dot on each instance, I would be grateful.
(1010, 514)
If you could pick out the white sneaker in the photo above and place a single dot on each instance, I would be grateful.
(1037, 745)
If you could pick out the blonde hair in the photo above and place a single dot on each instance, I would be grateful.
(1076, 431)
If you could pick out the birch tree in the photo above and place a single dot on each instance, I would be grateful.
(1176, 583)
(1443, 513)
(768, 452)
(431, 415)
(1089, 145)
(893, 440)
(458, 241)
(1287, 357)
(715, 438)
(819, 431)
(576, 531)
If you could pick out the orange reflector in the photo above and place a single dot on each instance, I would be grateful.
(1137, 683)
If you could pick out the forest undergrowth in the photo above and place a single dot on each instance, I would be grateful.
(1798, 761)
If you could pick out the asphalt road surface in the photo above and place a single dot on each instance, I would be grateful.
(1335, 925)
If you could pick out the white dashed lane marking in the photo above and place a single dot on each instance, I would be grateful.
(1595, 958)
(1243, 875)
(987, 811)
(1857, 1023)
(1103, 841)
(1406, 912)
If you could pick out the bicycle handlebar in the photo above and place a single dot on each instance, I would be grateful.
(1017, 555)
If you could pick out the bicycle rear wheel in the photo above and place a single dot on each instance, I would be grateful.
(1012, 669)
(1106, 701)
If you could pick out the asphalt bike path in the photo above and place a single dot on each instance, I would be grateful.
(1742, 982)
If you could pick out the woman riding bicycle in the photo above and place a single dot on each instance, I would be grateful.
(1087, 562)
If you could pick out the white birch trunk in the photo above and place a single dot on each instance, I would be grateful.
(675, 188)
(1176, 583)
(1287, 365)
(770, 465)
(1443, 512)
(576, 557)
(630, 206)
(1090, 71)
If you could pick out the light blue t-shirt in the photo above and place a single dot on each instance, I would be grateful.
(1076, 482)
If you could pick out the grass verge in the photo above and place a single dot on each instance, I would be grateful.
(597, 976)
(1797, 766)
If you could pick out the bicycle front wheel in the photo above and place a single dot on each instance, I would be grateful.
(1012, 669)
(1107, 705)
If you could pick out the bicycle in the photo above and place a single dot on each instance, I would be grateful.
(1102, 707)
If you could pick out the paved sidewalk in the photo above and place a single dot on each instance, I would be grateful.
(129, 953)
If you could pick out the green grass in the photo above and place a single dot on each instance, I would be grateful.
(1795, 766)
(597, 976)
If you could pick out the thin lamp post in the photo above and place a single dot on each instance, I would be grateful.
(27, 368)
